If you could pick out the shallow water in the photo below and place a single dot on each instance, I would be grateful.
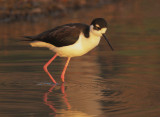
(102, 83)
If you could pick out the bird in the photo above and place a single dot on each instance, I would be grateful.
(70, 40)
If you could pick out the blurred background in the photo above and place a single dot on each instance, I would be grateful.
(102, 83)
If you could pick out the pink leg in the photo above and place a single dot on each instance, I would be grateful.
(46, 70)
(64, 70)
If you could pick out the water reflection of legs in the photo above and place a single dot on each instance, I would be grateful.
(51, 103)
(65, 97)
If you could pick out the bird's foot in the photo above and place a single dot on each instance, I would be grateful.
(48, 83)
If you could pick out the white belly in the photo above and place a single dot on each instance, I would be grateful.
(81, 47)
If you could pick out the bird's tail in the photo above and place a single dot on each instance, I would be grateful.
(28, 38)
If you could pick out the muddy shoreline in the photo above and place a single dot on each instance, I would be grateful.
(32, 10)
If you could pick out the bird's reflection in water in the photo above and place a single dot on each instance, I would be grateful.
(50, 104)
(65, 97)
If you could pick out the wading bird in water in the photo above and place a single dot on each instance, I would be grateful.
(70, 40)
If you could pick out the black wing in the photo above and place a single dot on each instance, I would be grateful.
(62, 35)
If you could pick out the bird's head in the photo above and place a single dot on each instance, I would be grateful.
(98, 27)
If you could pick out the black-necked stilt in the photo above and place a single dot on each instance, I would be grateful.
(70, 40)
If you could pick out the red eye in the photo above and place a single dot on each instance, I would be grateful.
(98, 28)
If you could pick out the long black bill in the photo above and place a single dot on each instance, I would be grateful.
(108, 42)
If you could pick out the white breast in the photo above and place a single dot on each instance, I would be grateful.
(81, 47)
